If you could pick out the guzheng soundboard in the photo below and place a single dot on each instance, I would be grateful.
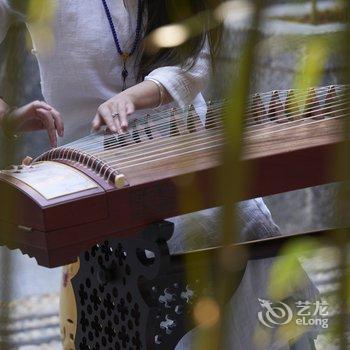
(103, 185)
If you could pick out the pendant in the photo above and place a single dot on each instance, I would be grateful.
(125, 72)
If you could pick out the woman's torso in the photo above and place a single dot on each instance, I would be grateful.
(79, 64)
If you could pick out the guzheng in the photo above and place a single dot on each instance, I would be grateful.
(75, 196)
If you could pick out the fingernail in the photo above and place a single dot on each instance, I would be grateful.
(27, 161)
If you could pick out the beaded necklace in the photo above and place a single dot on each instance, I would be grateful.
(125, 55)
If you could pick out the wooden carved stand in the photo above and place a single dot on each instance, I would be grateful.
(131, 294)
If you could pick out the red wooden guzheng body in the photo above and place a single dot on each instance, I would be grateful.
(76, 195)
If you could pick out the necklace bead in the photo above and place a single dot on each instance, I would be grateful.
(125, 55)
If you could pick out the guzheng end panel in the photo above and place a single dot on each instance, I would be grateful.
(49, 195)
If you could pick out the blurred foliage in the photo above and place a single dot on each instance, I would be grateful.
(232, 182)
(286, 273)
(311, 67)
(314, 11)
(40, 16)
(325, 16)
(342, 235)
(12, 88)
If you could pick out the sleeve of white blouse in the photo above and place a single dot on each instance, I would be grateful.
(184, 85)
(4, 18)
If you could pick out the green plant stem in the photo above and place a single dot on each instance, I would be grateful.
(342, 236)
(232, 178)
(314, 11)
(12, 83)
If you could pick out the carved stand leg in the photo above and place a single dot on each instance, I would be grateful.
(131, 294)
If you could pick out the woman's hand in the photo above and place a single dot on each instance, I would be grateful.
(114, 113)
(36, 116)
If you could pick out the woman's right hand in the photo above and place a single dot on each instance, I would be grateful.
(37, 115)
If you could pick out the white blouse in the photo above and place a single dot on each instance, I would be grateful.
(79, 65)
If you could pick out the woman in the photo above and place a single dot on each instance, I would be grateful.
(95, 71)
(81, 67)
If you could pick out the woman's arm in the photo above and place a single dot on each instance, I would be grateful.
(185, 84)
(173, 82)
(35, 115)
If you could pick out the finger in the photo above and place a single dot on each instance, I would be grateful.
(106, 115)
(117, 123)
(130, 108)
(58, 122)
(114, 112)
(27, 160)
(49, 125)
(48, 122)
(123, 117)
(96, 123)
(41, 104)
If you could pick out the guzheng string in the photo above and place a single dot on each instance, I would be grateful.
(276, 126)
(165, 125)
(327, 102)
(200, 146)
(206, 143)
(206, 140)
(161, 116)
(250, 121)
(89, 145)
(163, 155)
(128, 162)
(169, 154)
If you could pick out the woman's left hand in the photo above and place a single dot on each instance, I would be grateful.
(114, 113)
